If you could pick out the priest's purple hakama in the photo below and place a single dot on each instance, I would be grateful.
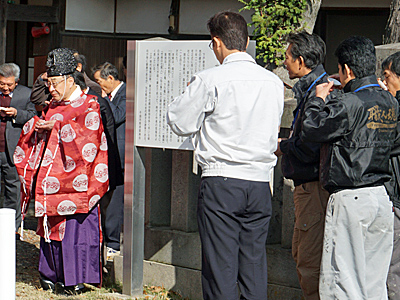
(76, 258)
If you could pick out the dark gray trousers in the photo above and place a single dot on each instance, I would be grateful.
(104, 202)
(114, 218)
(233, 218)
(12, 187)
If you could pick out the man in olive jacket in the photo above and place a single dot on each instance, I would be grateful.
(300, 162)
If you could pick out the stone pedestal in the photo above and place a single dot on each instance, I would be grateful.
(158, 187)
(287, 214)
(184, 191)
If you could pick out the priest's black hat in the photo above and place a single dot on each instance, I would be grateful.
(61, 61)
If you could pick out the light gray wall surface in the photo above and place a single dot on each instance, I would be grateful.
(90, 15)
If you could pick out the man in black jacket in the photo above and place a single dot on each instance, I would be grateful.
(300, 162)
(391, 73)
(357, 128)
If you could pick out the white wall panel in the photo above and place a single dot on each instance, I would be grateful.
(194, 14)
(139, 16)
(90, 15)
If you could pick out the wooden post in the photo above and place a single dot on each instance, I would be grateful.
(55, 35)
(3, 30)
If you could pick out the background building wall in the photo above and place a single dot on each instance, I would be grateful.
(339, 19)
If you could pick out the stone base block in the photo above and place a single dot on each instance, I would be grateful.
(116, 269)
(173, 261)
(281, 267)
(276, 292)
(173, 247)
(187, 282)
(288, 218)
(184, 281)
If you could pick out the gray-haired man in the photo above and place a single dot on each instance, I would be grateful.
(15, 110)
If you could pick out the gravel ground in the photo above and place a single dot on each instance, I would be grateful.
(27, 275)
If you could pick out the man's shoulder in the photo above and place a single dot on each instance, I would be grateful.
(22, 88)
(93, 85)
(121, 91)
(238, 71)
(347, 99)
(104, 103)
(354, 101)
(22, 91)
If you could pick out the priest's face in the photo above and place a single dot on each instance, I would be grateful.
(7, 84)
(60, 87)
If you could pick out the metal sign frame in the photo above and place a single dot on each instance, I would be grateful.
(133, 244)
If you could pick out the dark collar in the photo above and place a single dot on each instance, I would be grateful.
(301, 86)
(356, 83)
(398, 96)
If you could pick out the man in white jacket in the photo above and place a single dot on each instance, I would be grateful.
(233, 112)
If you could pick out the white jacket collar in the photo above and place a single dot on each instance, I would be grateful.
(238, 56)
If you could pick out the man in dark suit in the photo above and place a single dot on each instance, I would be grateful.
(92, 88)
(106, 75)
(115, 175)
(16, 109)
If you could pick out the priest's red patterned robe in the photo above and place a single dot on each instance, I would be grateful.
(65, 170)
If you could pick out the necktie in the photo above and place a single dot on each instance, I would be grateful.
(4, 102)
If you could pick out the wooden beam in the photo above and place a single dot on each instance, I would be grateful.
(3, 30)
(56, 37)
(32, 13)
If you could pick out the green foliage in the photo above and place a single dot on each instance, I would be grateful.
(273, 20)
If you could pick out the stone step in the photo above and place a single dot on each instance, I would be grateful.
(187, 282)
(173, 261)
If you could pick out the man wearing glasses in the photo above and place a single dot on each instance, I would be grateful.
(62, 161)
(15, 110)
(233, 112)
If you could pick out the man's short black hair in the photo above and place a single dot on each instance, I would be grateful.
(358, 53)
(80, 59)
(231, 28)
(79, 79)
(392, 63)
(309, 46)
(106, 69)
